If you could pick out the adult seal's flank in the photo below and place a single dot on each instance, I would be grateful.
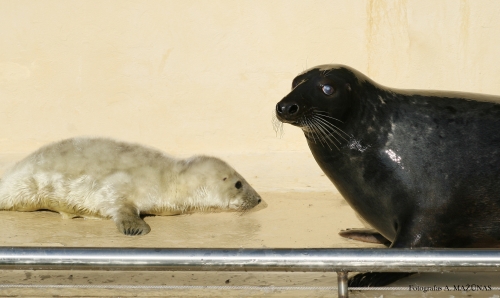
(421, 167)
(103, 178)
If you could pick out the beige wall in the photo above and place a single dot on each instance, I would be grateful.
(204, 76)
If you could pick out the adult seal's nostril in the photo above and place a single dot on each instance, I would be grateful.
(287, 109)
(293, 109)
(279, 108)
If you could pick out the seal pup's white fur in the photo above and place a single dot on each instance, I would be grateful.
(104, 178)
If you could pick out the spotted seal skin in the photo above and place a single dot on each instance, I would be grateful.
(104, 178)
(421, 167)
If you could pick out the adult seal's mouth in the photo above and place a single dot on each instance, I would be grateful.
(421, 167)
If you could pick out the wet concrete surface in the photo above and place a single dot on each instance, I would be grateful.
(285, 220)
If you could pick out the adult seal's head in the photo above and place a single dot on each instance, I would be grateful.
(421, 167)
(319, 90)
(321, 102)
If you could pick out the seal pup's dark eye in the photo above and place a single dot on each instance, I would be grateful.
(327, 89)
(238, 185)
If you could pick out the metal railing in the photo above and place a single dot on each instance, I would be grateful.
(339, 260)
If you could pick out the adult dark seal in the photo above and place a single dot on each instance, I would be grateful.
(421, 167)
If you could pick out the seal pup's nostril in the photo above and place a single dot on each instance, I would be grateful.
(293, 109)
(259, 200)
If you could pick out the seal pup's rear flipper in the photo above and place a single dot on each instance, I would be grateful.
(365, 235)
(129, 222)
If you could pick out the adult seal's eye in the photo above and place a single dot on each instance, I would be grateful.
(327, 89)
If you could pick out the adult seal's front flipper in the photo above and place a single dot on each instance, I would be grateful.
(365, 235)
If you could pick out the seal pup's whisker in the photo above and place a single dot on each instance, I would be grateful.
(242, 211)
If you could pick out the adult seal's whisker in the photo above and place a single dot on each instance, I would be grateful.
(333, 128)
(320, 137)
(327, 73)
(325, 134)
(325, 114)
(331, 134)
(277, 126)
(311, 130)
(325, 117)
(319, 133)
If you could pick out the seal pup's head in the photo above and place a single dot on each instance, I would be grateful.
(211, 184)
(320, 102)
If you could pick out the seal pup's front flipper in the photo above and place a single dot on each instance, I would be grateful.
(365, 235)
(129, 222)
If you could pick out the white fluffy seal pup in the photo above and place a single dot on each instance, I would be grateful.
(104, 178)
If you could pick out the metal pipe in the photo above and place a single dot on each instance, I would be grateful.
(342, 287)
(307, 260)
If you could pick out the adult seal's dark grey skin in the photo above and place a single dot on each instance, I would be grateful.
(421, 167)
